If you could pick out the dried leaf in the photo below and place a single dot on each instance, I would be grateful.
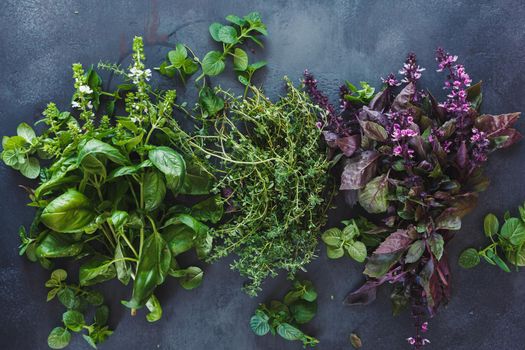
(355, 341)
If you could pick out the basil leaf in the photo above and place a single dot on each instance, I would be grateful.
(356, 250)
(154, 190)
(26, 132)
(96, 147)
(240, 59)
(490, 225)
(153, 266)
(73, 320)
(259, 323)
(303, 311)
(155, 310)
(210, 209)
(469, 258)
(191, 277)
(68, 213)
(59, 338)
(213, 63)
(96, 270)
(289, 332)
(171, 164)
(57, 245)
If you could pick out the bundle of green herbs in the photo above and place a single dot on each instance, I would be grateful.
(285, 317)
(112, 194)
(274, 177)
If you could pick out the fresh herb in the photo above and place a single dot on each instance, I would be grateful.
(419, 164)
(184, 62)
(274, 178)
(77, 299)
(507, 242)
(118, 195)
(284, 317)
(338, 242)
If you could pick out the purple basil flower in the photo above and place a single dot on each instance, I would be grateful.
(457, 82)
(391, 80)
(310, 83)
(411, 70)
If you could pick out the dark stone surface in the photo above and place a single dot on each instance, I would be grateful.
(337, 40)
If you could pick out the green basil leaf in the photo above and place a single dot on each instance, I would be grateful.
(356, 250)
(73, 320)
(259, 325)
(101, 315)
(210, 209)
(490, 225)
(196, 181)
(121, 266)
(154, 190)
(96, 270)
(178, 55)
(210, 102)
(59, 338)
(332, 237)
(235, 20)
(31, 168)
(240, 59)
(26, 132)
(213, 63)
(189, 66)
(68, 213)
(68, 298)
(179, 238)
(514, 230)
(469, 258)
(214, 31)
(155, 309)
(303, 311)
(334, 252)
(289, 332)
(58, 245)
(171, 164)
(97, 147)
(190, 278)
(129, 169)
(227, 34)
(153, 266)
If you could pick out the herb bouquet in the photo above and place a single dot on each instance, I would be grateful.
(419, 164)
(116, 195)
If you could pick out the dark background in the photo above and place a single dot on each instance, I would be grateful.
(337, 40)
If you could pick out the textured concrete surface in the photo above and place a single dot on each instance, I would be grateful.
(337, 40)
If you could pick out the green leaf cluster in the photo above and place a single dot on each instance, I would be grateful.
(269, 154)
(284, 317)
(77, 300)
(507, 242)
(184, 62)
(359, 97)
(338, 242)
